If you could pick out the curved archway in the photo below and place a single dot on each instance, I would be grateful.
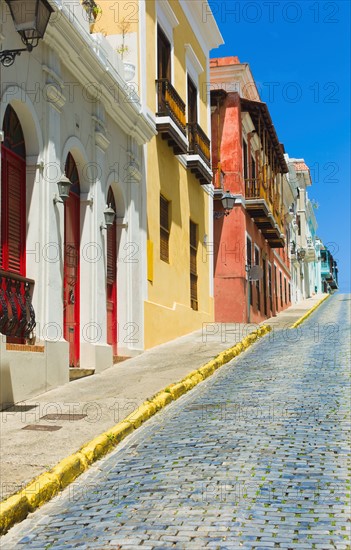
(18, 99)
(118, 194)
(74, 147)
(13, 195)
(71, 266)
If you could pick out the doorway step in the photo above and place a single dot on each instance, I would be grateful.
(77, 373)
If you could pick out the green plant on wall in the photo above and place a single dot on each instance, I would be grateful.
(92, 9)
(124, 27)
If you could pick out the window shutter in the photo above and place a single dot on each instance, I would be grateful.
(193, 267)
(164, 229)
(163, 55)
(13, 212)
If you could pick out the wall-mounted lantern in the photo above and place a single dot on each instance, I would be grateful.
(30, 18)
(109, 215)
(228, 201)
(64, 186)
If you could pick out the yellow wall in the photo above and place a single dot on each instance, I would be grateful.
(167, 311)
(182, 34)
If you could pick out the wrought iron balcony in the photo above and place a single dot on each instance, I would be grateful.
(17, 316)
(267, 218)
(199, 147)
(199, 143)
(171, 108)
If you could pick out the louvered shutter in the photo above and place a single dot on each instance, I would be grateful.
(164, 229)
(111, 254)
(13, 214)
(193, 266)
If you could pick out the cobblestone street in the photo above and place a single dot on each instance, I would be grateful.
(257, 456)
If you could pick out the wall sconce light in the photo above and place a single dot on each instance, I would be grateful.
(228, 200)
(30, 20)
(301, 253)
(109, 215)
(64, 186)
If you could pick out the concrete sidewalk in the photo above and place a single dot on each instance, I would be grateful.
(107, 398)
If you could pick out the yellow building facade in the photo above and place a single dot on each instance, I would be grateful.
(166, 45)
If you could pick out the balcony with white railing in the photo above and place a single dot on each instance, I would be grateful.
(82, 14)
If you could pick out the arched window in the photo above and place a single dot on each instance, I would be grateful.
(111, 278)
(71, 290)
(13, 196)
(14, 139)
(72, 174)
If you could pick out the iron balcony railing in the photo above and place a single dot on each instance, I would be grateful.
(199, 143)
(254, 189)
(170, 103)
(17, 316)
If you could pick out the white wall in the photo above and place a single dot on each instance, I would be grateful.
(58, 115)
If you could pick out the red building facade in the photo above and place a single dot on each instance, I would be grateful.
(248, 161)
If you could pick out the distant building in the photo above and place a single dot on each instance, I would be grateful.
(329, 270)
(304, 244)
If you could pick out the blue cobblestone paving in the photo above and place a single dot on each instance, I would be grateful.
(258, 456)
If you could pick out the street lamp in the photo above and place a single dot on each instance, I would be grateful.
(64, 186)
(30, 18)
(228, 201)
(109, 215)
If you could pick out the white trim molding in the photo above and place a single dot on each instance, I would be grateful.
(166, 18)
(203, 23)
(193, 60)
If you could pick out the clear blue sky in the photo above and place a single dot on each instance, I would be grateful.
(299, 54)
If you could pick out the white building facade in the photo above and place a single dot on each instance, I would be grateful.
(67, 108)
(304, 243)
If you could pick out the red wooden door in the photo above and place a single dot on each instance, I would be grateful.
(111, 279)
(71, 282)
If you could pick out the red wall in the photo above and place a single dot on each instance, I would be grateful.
(230, 279)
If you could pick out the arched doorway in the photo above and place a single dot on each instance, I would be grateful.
(71, 279)
(111, 278)
(13, 196)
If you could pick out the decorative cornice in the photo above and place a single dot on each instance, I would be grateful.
(133, 171)
(166, 16)
(101, 141)
(54, 95)
(203, 24)
(53, 76)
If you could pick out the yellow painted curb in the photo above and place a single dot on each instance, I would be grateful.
(40, 490)
(309, 312)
